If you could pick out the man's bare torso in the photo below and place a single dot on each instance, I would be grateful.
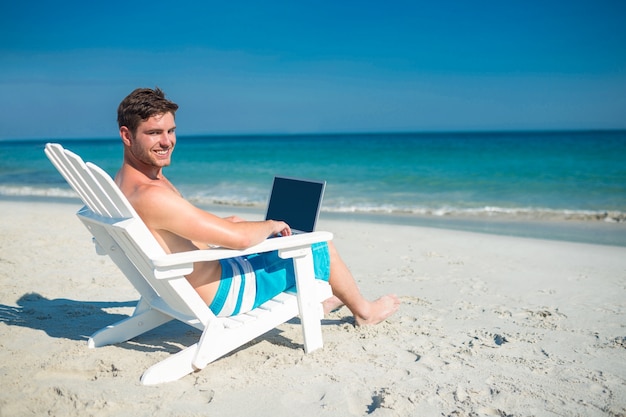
(140, 192)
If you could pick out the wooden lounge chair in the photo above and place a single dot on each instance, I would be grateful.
(159, 278)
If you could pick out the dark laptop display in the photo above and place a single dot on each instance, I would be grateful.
(296, 202)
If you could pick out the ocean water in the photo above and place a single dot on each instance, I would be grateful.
(520, 176)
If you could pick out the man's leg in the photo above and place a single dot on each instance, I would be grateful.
(347, 292)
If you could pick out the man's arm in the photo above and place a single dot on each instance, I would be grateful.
(164, 210)
(234, 219)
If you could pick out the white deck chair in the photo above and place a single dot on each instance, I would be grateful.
(165, 293)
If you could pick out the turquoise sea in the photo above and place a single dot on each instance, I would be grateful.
(508, 182)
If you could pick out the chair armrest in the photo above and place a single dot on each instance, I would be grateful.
(268, 245)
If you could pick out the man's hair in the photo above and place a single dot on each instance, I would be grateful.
(142, 104)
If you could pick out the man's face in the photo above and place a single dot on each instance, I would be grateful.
(154, 140)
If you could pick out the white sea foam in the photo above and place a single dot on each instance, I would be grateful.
(234, 200)
(28, 191)
(485, 212)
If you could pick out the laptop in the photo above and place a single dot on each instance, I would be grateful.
(297, 202)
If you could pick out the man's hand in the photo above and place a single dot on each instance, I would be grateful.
(280, 228)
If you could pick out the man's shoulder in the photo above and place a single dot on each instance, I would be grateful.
(155, 204)
(150, 192)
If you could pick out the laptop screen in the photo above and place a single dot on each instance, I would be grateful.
(296, 202)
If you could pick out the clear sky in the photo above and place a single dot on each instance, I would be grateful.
(314, 66)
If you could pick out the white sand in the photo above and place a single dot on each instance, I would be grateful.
(489, 325)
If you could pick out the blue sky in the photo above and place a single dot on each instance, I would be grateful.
(308, 67)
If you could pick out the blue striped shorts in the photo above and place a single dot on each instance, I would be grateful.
(249, 281)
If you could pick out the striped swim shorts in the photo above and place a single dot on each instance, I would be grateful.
(249, 281)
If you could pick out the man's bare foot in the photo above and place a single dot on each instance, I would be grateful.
(380, 309)
(331, 304)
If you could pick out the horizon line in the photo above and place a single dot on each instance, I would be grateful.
(348, 133)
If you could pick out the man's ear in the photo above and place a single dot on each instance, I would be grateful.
(126, 136)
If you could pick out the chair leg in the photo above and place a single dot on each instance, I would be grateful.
(172, 368)
(128, 328)
(310, 308)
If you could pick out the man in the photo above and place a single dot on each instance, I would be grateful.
(147, 128)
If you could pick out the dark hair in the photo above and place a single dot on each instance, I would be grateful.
(142, 104)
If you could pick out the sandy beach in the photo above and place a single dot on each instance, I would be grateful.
(489, 326)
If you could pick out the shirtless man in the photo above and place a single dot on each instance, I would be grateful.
(147, 128)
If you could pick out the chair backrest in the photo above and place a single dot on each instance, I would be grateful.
(121, 234)
(103, 198)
